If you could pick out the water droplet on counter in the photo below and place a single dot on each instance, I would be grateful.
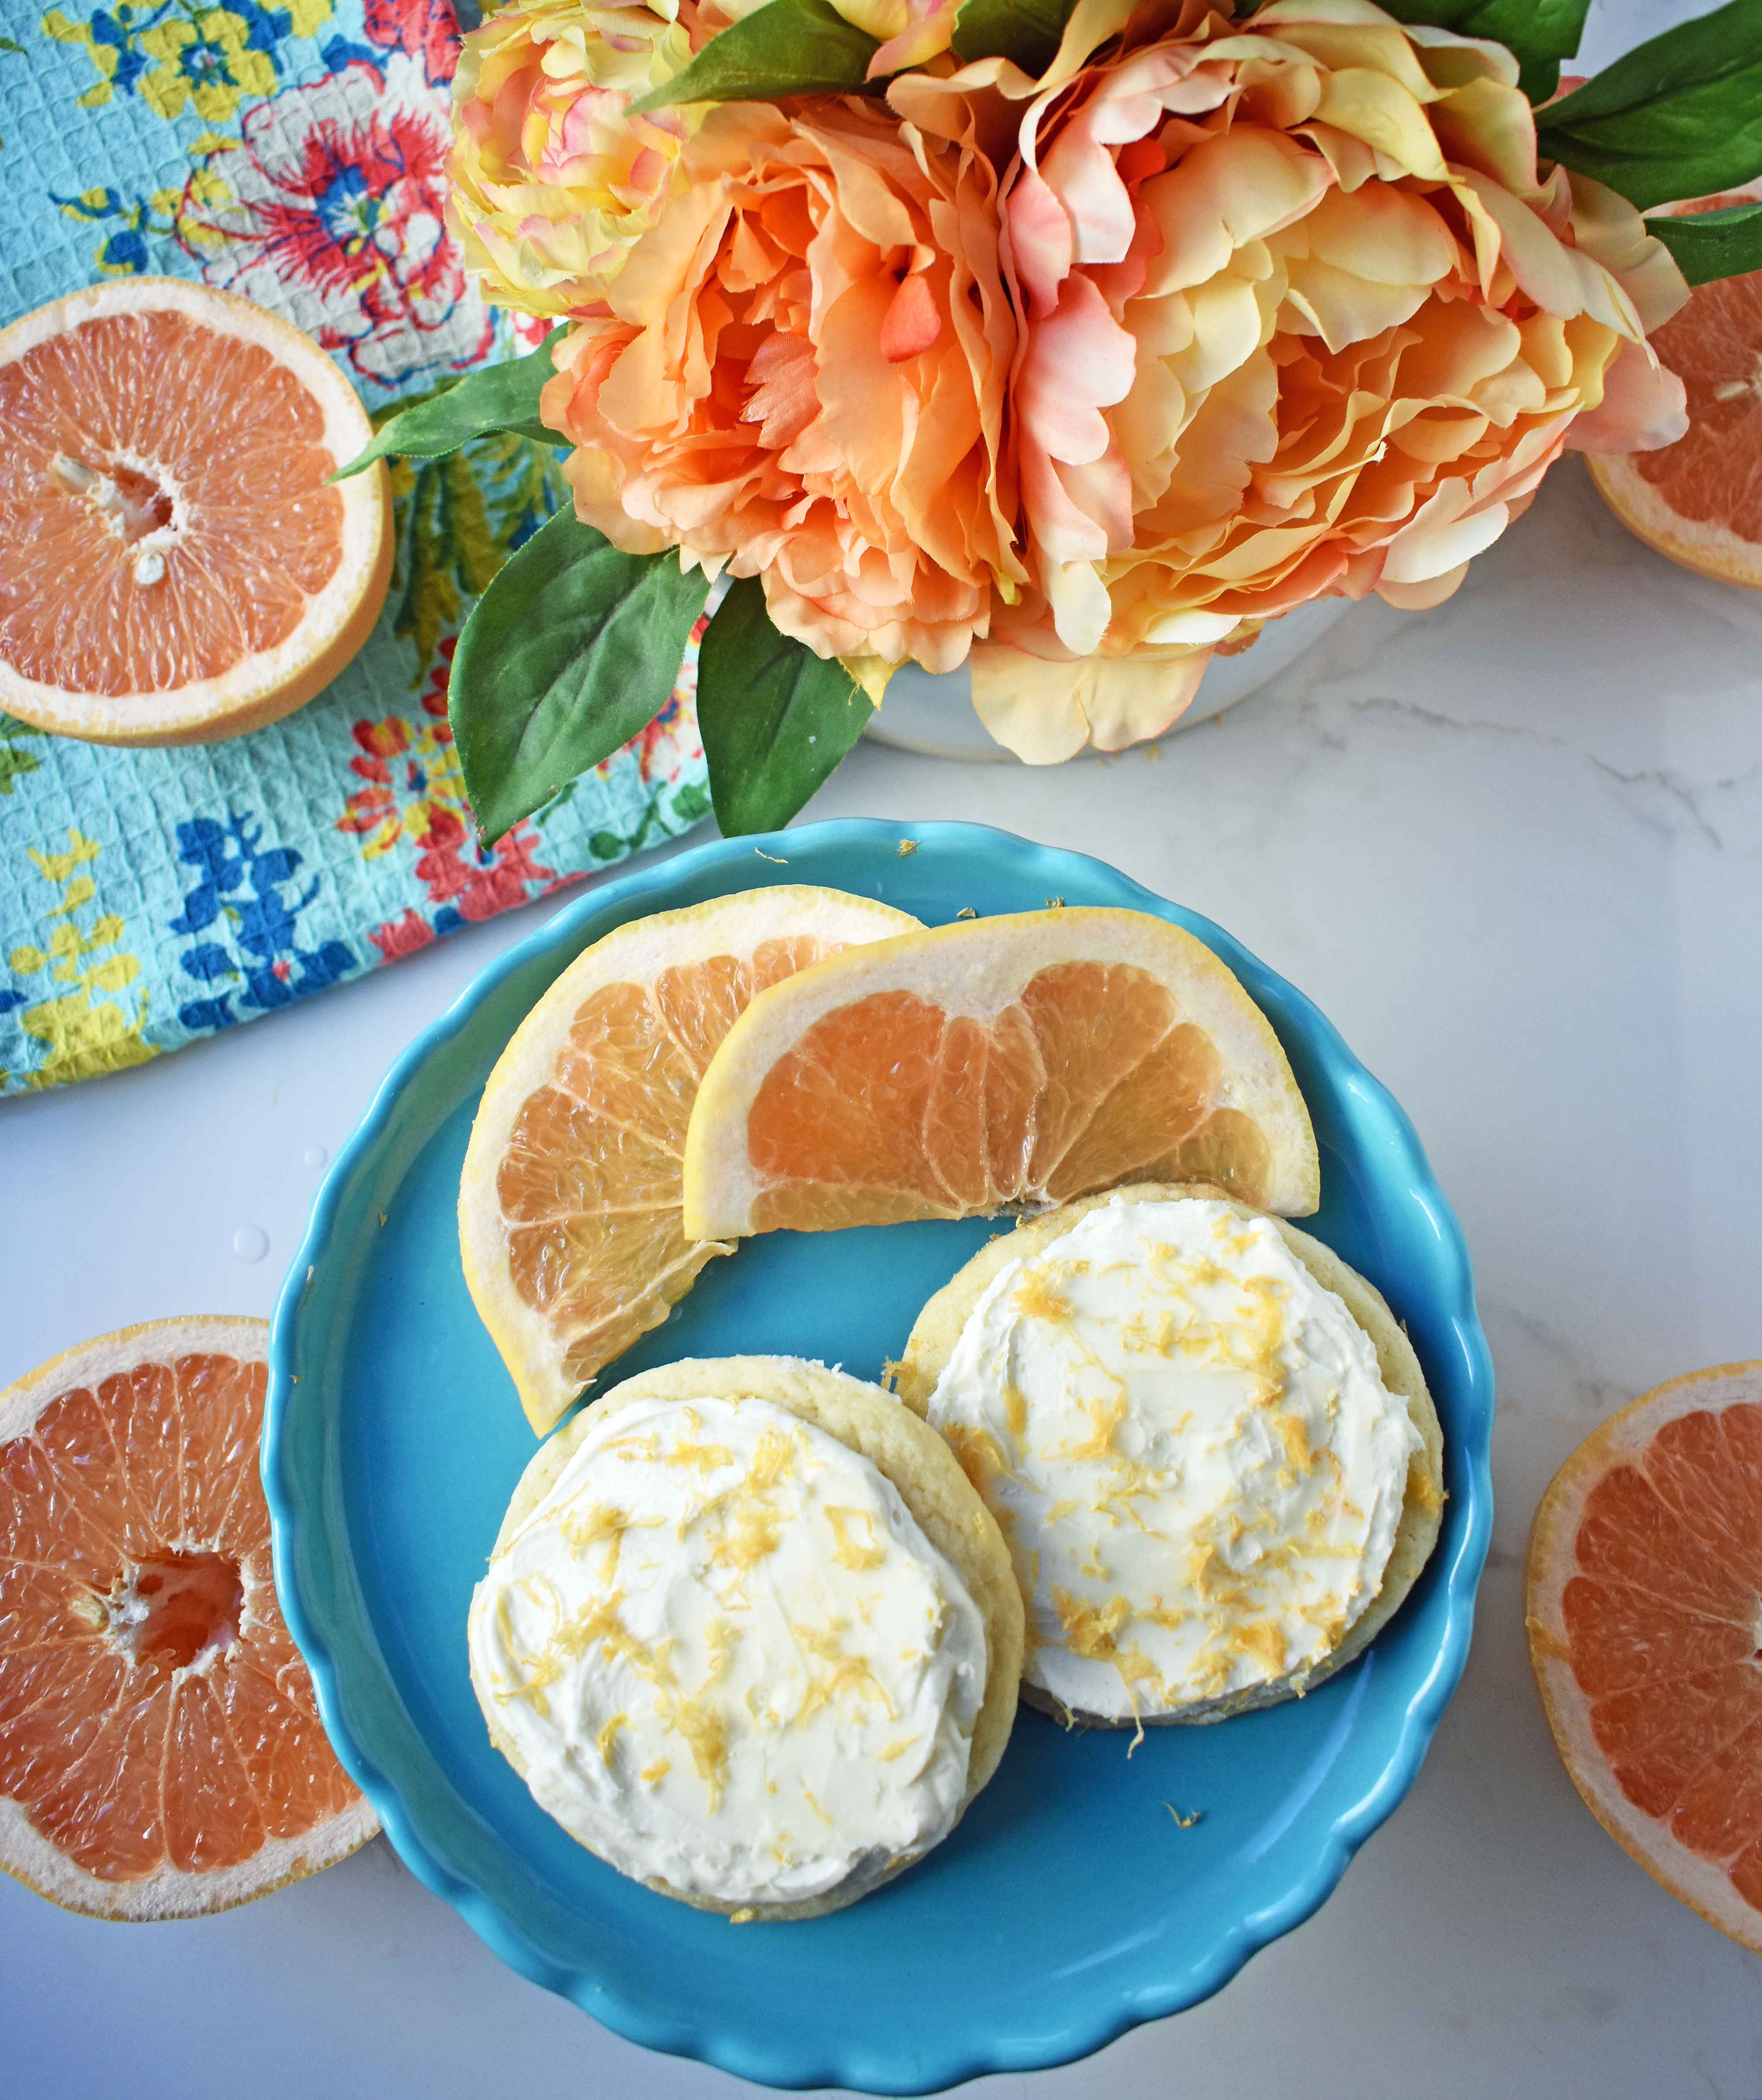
(250, 1243)
(315, 1155)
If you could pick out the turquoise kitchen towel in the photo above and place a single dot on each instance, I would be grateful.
(296, 155)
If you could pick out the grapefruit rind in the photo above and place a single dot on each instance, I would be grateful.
(638, 951)
(264, 687)
(1709, 550)
(1700, 1883)
(25, 1854)
(976, 969)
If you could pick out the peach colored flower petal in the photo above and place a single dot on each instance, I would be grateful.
(801, 376)
(1643, 406)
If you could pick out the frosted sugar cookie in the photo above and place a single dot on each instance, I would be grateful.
(749, 1634)
(1208, 1443)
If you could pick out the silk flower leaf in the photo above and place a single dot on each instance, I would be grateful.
(1681, 117)
(1026, 31)
(571, 650)
(1538, 33)
(775, 718)
(495, 398)
(786, 48)
(1713, 244)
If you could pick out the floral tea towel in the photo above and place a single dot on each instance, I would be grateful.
(296, 155)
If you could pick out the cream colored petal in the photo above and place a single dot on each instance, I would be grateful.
(1489, 125)
(1224, 193)
(1560, 280)
(1125, 699)
(1421, 596)
(1610, 231)
(1375, 44)
(1028, 705)
(1193, 626)
(1370, 106)
(1385, 234)
(1446, 532)
(879, 19)
(1450, 59)
(1343, 308)
(1081, 607)
(1090, 24)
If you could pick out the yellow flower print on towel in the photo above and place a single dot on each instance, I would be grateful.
(207, 63)
(85, 1035)
(179, 55)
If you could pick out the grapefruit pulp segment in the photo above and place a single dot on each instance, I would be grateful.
(569, 1205)
(993, 1064)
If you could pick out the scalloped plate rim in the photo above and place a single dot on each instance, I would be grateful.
(774, 2062)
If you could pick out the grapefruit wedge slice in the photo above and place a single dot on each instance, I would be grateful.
(1646, 1633)
(160, 1751)
(173, 566)
(997, 1064)
(569, 1205)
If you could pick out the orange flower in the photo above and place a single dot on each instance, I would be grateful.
(802, 378)
(1299, 318)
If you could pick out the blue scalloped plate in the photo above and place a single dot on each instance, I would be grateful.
(1069, 1905)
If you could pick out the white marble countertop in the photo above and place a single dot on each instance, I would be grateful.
(1513, 847)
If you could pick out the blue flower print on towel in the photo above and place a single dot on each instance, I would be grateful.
(238, 894)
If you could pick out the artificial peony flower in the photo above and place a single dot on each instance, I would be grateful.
(1298, 317)
(801, 377)
(551, 180)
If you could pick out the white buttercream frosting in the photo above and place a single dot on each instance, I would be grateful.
(729, 1658)
(1190, 1448)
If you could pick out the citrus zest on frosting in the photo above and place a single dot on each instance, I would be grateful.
(733, 1738)
(1189, 1448)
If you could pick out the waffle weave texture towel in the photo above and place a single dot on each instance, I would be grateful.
(296, 155)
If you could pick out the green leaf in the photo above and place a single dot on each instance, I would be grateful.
(1682, 117)
(1713, 244)
(785, 47)
(573, 648)
(1538, 33)
(495, 398)
(1024, 31)
(775, 718)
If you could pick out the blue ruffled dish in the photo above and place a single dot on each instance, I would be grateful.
(1071, 1903)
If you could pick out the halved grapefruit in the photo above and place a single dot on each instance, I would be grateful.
(1699, 501)
(160, 1751)
(1645, 1633)
(173, 568)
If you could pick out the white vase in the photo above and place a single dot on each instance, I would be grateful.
(932, 711)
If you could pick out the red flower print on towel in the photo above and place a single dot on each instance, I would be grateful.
(333, 211)
(427, 29)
